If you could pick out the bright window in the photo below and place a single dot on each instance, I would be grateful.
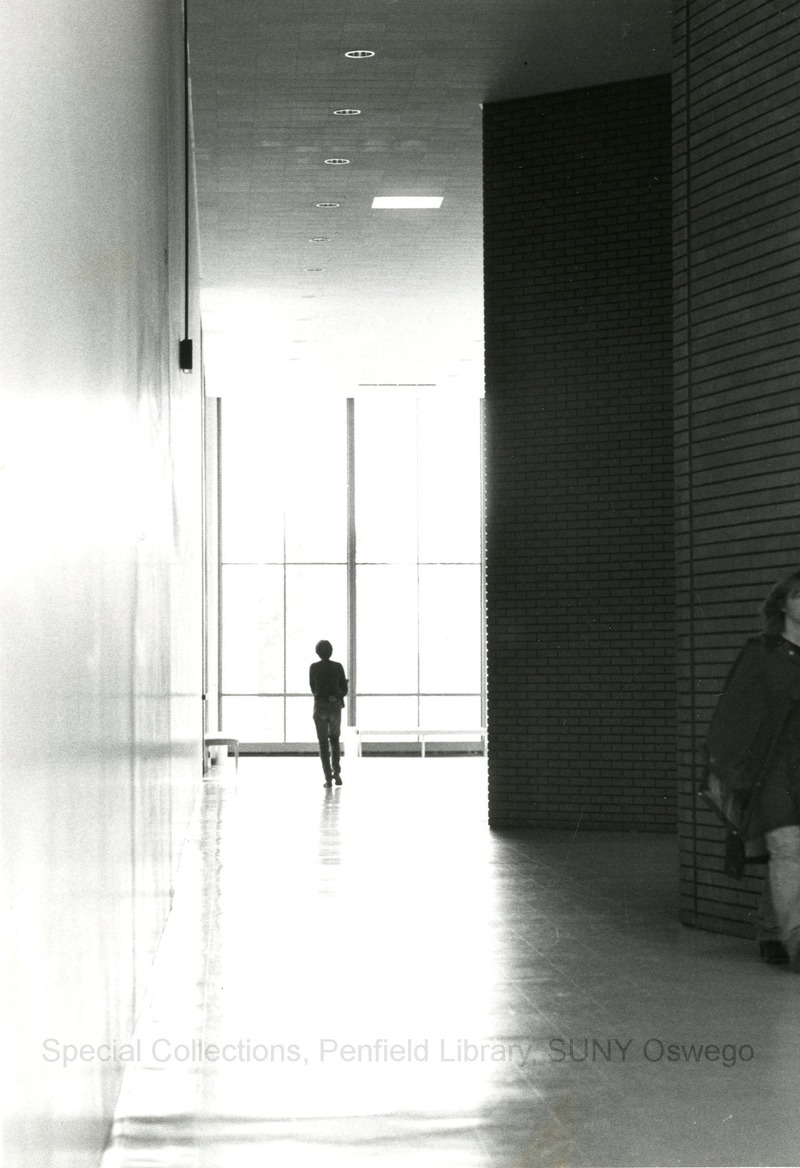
(386, 564)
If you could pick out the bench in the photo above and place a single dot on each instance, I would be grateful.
(421, 734)
(222, 740)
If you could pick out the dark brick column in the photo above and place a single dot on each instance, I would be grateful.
(737, 370)
(579, 454)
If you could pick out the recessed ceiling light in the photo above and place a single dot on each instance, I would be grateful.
(328, 204)
(315, 269)
(407, 202)
(359, 53)
(347, 113)
(337, 161)
(319, 239)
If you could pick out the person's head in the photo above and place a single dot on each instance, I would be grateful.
(773, 609)
(324, 649)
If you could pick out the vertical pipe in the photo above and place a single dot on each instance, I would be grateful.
(482, 521)
(204, 519)
(219, 563)
(186, 156)
(351, 563)
(285, 638)
(417, 503)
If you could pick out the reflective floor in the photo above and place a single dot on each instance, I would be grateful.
(368, 976)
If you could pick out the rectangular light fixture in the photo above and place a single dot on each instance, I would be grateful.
(407, 202)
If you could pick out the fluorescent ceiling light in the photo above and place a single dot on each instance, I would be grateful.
(407, 202)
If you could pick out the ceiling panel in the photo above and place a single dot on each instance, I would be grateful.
(381, 296)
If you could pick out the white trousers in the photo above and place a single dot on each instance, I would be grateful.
(784, 884)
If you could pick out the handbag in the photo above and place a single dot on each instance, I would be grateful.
(732, 807)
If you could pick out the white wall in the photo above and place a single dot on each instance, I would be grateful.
(100, 472)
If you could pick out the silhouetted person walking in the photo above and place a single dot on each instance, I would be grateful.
(329, 686)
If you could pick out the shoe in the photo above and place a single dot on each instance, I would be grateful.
(327, 783)
(338, 780)
(773, 952)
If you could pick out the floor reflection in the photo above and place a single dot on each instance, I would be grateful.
(367, 975)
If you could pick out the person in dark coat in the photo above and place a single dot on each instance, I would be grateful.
(754, 750)
(329, 687)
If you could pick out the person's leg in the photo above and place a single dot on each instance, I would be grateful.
(336, 766)
(335, 729)
(768, 933)
(321, 723)
(784, 880)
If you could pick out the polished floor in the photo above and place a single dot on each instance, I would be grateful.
(369, 976)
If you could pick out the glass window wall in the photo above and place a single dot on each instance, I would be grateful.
(399, 545)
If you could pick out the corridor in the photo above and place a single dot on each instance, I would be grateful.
(368, 976)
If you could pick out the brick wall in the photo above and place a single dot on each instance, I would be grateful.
(737, 365)
(580, 597)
